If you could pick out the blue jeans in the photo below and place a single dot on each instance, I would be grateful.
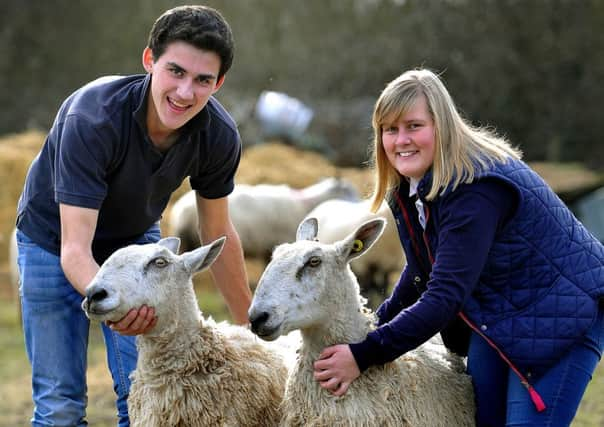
(56, 339)
(501, 400)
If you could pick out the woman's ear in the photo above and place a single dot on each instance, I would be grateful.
(148, 59)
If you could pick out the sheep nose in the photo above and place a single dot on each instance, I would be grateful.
(96, 295)
(258, 320)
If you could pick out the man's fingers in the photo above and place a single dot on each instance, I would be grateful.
(125, 321)
(151, 325)
(135, 322)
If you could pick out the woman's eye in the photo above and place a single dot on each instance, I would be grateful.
(160, 262)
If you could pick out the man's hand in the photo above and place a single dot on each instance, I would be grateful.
(336, 369)
(136, 322)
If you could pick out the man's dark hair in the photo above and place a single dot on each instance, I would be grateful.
(201, 26)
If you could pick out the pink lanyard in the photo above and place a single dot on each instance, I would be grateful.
(537, 400)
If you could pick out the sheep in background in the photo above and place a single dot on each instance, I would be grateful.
(264, 215)
(190, 371)
(309, 286)
(339, 218)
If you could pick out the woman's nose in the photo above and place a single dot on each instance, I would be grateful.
(403, 138)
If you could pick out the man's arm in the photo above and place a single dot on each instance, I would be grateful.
(229, 268)
(77, 231)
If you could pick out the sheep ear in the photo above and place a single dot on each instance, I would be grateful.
(201, 258)
(359, 242)
(172, 243)
(307, 230)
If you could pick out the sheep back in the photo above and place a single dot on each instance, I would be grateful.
(223, 376)
(416, 390)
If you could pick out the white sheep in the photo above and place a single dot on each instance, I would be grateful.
(339, 218)
(309, 286)
(190, 370)
(264, 215)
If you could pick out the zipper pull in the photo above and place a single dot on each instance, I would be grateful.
(539, 404)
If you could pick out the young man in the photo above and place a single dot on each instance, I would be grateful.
(117, 150)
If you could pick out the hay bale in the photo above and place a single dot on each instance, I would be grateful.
(276, 163)
(270, 163)
(16, 153)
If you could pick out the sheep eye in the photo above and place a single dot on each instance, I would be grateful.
(314, 261)
(160, 262)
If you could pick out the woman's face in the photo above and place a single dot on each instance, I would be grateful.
(409, 142)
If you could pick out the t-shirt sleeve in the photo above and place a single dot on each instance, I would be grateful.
(216, 177)
(82, 158)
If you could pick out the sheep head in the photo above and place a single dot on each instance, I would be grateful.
(151, 274)
(307, 280)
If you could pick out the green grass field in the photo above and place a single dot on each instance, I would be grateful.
(15, 391)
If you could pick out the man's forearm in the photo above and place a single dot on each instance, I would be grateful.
(230, 277)
(78, 268)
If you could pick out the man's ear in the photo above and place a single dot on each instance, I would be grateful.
(148, 59)
(219, 83)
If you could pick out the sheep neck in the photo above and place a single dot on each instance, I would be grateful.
(350, 324)
(176, 324)
(178, 349)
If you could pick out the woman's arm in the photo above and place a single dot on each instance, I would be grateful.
(469, 219)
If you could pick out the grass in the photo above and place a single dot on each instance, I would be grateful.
(15, 390)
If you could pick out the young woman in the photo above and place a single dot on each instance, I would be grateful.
(495, 262)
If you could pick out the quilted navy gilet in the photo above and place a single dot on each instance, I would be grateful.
(540, 289)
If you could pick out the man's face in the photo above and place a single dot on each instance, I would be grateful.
(184, 78)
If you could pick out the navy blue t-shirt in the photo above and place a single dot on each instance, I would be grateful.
(98, 155)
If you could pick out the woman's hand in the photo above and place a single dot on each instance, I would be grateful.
(136, 322)
(336, 369)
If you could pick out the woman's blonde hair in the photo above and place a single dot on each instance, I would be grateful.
(461, 150)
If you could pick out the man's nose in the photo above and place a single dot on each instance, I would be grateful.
(185, 90)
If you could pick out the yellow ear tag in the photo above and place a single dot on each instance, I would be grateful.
(357, 246)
